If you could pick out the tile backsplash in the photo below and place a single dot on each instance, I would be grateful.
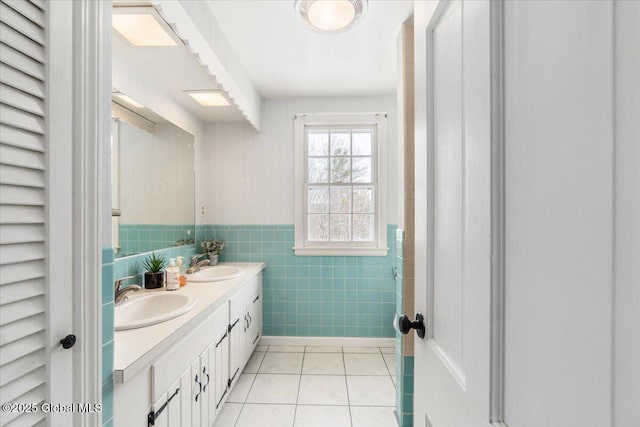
(331, 296)
(136, 238)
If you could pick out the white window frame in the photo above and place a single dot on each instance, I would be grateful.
(351, 120)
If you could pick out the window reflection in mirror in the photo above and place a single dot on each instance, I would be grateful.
(152, 184)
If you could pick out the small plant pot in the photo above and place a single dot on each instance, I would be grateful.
(213, 259)
(153, 280)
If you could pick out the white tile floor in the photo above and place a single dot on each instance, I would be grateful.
(286, 386)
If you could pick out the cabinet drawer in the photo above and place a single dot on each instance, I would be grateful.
(173, 363)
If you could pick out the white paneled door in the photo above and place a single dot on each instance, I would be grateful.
(452, 363)
(528, 167)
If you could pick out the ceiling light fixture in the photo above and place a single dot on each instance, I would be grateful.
(331, 15)
(209, 98)
(143, 26)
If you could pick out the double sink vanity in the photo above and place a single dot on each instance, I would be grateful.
(178, 354)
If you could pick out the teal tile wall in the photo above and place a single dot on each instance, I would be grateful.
(107, 335)
(334, 296)
(407, 391)
(137, 238)
(404, 367)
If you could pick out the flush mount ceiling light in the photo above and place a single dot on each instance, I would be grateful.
(126, 100)
(143, 26)
(331, 15)
(209, 98)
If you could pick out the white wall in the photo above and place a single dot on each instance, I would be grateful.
(249, 176)
(626, 339)
(559, 214)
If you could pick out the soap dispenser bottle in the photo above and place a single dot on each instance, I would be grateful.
(183, 278)
(173, 276)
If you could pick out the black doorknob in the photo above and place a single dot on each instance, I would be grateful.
(68, 341)
(406, 325)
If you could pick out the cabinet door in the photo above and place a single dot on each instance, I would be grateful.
(237, 345)
(186, 383)
(212, 400)
(221, 368)
(162, 419)
(206, 395)
(174, 405)
(254, 314)
(196, 393)
(166, 411)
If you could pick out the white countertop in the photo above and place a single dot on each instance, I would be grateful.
(137, 348)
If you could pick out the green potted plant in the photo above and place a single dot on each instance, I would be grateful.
(154, 276)
(212, 248)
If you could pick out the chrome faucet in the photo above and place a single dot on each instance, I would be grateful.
(196, 264)
(121, 294)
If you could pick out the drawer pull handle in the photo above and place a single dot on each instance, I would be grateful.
(257, 298)
(250, 318)
(200, 385)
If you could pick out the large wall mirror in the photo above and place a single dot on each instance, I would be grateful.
(152, 177)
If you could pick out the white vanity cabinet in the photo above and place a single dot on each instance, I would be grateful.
(193, 392)
(187, 385)
(246, 322)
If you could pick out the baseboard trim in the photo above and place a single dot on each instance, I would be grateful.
(328, 341)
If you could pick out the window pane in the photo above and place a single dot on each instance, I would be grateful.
(340, 143)
(340, 227)
(340, 169)
(362, 169)
(318, 227)
(362, 200)
(363, 228)
(318, 201)
(340, 199)
(362, 140)
(318, 142)
(318, 169)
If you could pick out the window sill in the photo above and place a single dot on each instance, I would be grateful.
(303, 251)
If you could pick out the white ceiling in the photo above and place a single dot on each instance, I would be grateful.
(283, 57)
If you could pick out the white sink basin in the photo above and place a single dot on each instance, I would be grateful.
(148, 310)
(215, 274)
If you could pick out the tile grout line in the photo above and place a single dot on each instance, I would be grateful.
(252, 383)
(295, 411)
(346, 384)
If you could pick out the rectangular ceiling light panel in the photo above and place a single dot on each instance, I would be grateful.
(209, 98)
(142, 26)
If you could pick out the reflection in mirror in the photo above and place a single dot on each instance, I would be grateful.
(152, 183)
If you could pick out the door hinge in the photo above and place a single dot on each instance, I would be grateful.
(222, 339)
(153, 416)
(233, 325)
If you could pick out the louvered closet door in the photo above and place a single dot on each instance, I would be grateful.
(25, 354)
